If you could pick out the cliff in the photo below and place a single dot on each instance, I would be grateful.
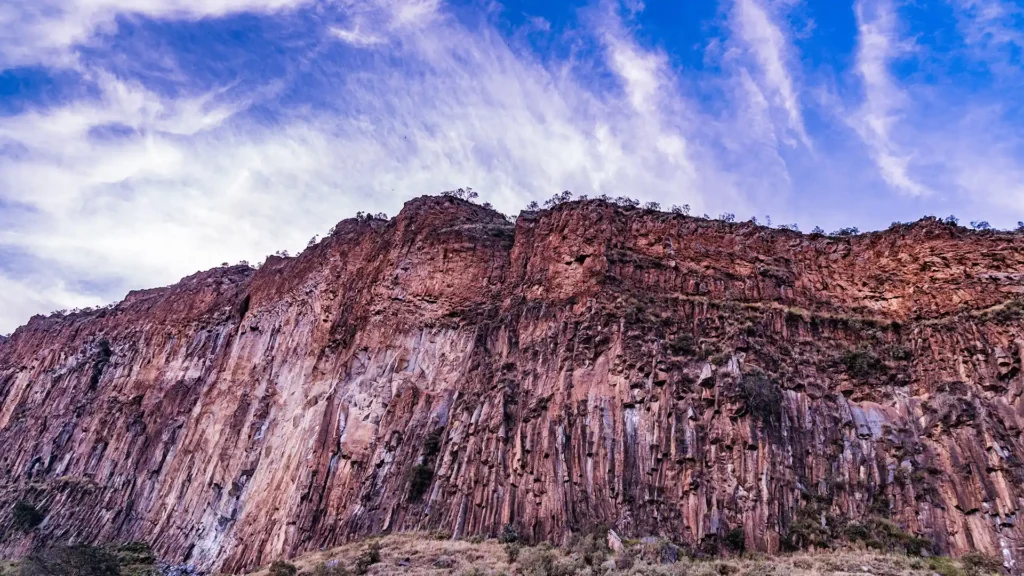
(589, 365)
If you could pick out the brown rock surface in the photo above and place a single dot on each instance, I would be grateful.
(660, 374)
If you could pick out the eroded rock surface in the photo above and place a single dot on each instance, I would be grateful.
(659, 374)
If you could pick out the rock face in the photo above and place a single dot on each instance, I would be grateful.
(659, 374)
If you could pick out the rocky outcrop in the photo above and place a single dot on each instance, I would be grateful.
(591, 364)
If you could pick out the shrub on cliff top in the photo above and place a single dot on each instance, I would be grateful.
(557, 199)
(466, 193)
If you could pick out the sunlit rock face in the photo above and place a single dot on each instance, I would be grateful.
(588, 365)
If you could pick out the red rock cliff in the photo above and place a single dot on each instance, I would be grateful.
(590, 364)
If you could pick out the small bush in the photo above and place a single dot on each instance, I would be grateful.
(682, 345)
(592, 548)
(862, 363)
(136, 559)
(887, 536)
(803, 563)
(368, 558)
(900, 353)
(543, 561)
(420, 478)
(432, 444)
(735, 540)
(977, 563)
(808, 530)
(70, 561)
(624, 560)
(857, 532)
(282, 568)
(512, 551)
(508, 534)
(536, 561)
(724, 569)
(26, 516)
(944, 566)
(763, 400)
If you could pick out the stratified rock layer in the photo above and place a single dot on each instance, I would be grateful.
(588, 365)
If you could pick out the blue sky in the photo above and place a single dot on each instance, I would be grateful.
(142, 140)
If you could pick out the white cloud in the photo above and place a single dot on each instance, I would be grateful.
(961, 148)
(45, 31)
(770, 48)
(884, 101)
(413, 13)
(981, 156)
(991, 23)
(357, 37)
(379, 21)
(35, 294)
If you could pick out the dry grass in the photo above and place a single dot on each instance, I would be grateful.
(419, 554)
(423, 554)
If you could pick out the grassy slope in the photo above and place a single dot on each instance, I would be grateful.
(418, 554)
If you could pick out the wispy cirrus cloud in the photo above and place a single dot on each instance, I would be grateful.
(764, 38)
(356, 36)
(884, 101)
(932, 139)
(991, 24)
(46, 31)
